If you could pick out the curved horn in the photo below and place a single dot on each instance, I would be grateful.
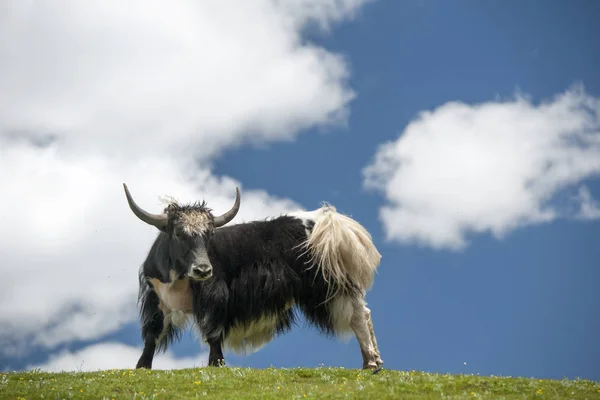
(157, 220)
(229, 215)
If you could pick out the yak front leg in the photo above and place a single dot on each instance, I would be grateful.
(215, 357)
(156, 342)
(154, 328)
(145, 360)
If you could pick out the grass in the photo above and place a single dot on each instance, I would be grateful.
(271, 383)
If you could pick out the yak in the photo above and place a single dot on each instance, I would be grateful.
(243, 284)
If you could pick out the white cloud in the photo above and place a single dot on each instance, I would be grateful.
(97, 94)
(114, 355)
(588, 208)
(164, 75)
(490, 167)
(321, 12)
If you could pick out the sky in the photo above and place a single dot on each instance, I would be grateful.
(464, 135)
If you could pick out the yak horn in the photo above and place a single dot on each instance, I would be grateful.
(157, 220)
(229, 215)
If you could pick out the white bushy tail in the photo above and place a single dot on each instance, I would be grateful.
(343, 250)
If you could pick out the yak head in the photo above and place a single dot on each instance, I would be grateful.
(190, 228)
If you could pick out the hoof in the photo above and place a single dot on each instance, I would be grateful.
(144, 362)
(217, 363)
(376, 370)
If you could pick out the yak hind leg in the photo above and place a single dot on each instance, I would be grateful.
(360, 326)
(348, 312)
(379, 361)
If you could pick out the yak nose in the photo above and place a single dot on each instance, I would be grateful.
(201, 271)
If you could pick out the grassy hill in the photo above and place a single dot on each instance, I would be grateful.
(297, 383)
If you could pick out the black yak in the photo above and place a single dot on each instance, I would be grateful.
(243, 284)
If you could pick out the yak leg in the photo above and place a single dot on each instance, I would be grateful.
(155, 341)
(373, 339)
(360, 326)
(215, 357)
(145, 360)
(154, 328)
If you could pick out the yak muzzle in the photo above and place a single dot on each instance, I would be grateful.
(200, 272)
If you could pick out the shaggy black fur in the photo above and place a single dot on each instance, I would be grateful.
(258, 268)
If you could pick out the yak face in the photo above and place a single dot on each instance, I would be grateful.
(190, 228)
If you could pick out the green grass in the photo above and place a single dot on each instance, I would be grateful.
(271, 383)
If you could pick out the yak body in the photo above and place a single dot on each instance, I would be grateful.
(319, 263)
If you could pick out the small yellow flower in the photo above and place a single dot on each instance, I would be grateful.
(197, 383)
(539, 391)
(278, 387)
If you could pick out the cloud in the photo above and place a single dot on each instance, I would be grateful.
(182, 75)
(588, 208)
(73, 255)
(322, 13)
(95, 95)
(468, 169)
(114, 355)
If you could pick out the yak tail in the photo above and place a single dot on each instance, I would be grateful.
(344, 252)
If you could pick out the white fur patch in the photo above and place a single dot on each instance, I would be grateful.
(178, 318)
(341, 310)
(195, 222)
(306, 215)
(341, 248)
(248, 338)
(175, 299)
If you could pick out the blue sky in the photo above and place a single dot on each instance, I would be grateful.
(525, 305)
(521, 303)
